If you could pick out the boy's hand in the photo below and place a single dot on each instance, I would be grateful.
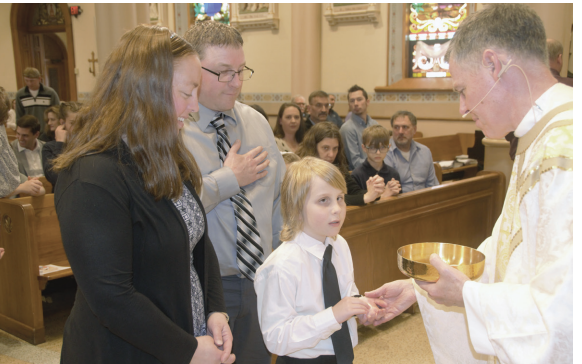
(376, 311)
(348, 307)
(375, 185)
(392, 188)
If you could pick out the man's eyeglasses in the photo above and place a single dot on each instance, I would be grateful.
(227, 76)
(375, 150)
(401, 127)
(321, 106)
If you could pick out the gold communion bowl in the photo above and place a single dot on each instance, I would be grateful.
(413, 260)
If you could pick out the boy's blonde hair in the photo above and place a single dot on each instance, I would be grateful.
(375, 135)
(296, 185)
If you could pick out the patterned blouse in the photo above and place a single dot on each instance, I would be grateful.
(194, 220)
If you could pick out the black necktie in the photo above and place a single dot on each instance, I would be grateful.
(249, 252)
(342, 343)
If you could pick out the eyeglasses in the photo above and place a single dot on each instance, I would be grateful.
(375, 150)
(321, 106)
(227, 76)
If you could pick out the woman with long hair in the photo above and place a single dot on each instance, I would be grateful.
(290, 128)
(132, 224)
(324, 141)
(51, 119)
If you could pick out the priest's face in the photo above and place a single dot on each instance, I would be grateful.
(491, 111)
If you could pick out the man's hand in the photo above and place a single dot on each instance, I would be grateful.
(392, 188)
(348, 307)
(377, 310)
(246, 167)
(398, 296)
(208, 353)
(61, 133)
(448, 290)
(375, 185)
(218, 329)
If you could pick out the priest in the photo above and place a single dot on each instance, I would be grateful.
(520, 309)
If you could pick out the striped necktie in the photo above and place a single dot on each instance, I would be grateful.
(249, 252)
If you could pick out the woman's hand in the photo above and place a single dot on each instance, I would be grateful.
(218, 329)
(61, 134)
(208, 353)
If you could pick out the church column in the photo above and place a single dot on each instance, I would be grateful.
(305, 48)
(112, 21)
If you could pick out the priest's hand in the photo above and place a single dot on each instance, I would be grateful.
(448, 290)
(377, 310)
(219, 330)
(398, 296)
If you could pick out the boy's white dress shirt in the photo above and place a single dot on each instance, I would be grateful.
(292, 313)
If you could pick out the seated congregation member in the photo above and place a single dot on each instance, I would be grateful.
(317, 109)
(375, 145)
(324, 142)
(132, 224)
(304, 317)
(27, 147)
(67, 112)
(352, 129)
(412, 160)
(51, 120)
(11, 181)
(290, 128)
(332, 115)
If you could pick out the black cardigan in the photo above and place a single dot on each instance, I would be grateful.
(130, 257)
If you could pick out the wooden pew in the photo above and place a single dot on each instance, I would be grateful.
(31, 235)
(447, 147)
(461, 212)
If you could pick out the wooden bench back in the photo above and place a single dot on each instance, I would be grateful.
(447, 147)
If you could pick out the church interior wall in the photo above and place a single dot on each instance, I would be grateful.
(350, 53)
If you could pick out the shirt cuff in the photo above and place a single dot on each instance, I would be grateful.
(326, 323)
(476, 322)
(226, 182)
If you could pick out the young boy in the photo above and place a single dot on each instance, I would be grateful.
(306, 294)
(375, 144)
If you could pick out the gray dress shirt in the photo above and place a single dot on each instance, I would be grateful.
(219, 183)
(351, 132)
(418, 172)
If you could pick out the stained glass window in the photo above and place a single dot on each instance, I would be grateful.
(430, 27)
(215, 11)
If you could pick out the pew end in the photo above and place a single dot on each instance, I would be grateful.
(31, 236)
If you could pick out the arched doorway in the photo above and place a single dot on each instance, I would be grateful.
(42, 37)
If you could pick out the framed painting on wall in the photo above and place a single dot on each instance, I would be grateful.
(255, 16)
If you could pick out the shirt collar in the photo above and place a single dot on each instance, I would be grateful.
(36, 149)
(360, 120)
(206, 115)
(554, 96)
(313, 246)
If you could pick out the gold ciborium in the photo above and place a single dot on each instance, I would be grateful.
(413, 260)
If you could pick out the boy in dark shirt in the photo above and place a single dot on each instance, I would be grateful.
(375, 144)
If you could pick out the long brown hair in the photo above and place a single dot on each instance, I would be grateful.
(316, 134)
(133, 100)
(278, 131)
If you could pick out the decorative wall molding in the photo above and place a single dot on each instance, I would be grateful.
(346, 13)
(252, 16)
(377, 97)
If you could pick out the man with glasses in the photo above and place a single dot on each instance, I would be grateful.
(242, 172)
(412, 160)
(351, 130)
(317, 109)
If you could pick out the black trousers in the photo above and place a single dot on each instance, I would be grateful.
(322, 359)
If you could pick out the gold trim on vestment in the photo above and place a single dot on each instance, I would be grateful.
(525, 181)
